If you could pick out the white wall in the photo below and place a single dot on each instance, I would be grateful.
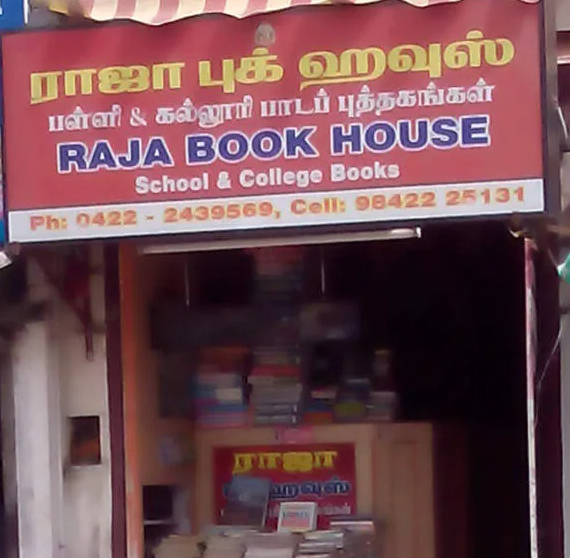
(61, 514)
(83, 384)
(563, 15)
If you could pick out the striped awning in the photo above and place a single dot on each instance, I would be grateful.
(159, 12)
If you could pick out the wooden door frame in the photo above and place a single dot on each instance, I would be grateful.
(121, 315)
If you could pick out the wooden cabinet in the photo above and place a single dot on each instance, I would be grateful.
(404, 489)
(409, 476)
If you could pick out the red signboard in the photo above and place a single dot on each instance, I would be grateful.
(328, 116)
(322, 473)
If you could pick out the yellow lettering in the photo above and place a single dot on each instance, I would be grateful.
(499, 52)
(317, 67)
(463, 54)
(472, 51)
(243, 463)
(228, 81)
(85, 78)
(370, 63)
(414, 58)
(298, 462)
(44, 87)
(291, 462)
(353, 65)
(258, 68)
(124, 79)
(174, 72)
(271, 460)
(328, 458)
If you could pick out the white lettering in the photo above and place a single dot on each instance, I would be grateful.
(378, 171)
(276, 176)
(167, 185)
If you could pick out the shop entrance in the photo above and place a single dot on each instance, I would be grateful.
(445, 313)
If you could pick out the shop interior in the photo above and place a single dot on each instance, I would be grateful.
(420, 342)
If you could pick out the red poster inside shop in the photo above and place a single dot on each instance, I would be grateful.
(321, 473)
(327, 116)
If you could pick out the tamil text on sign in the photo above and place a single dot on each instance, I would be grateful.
(343, 118)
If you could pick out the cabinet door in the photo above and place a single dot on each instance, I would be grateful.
(405, 489)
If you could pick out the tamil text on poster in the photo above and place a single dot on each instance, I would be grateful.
(321, 473)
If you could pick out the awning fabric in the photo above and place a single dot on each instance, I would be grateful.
(159, 12)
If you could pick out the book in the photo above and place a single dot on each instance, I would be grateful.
(297, 517)
(247, 500)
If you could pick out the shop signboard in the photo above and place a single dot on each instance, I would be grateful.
(333, 116)
(12, 16)
(321, 473)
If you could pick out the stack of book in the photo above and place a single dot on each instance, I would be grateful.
(382, 406)
(332, 537)
(361, 537)
(224, 546)
(321, 548)
(320, 405)
(176, 546)
(348, 537)
(383, 402)
(352, 399)
(275, 379)
(279, 275)
(275, 386)
(219, 396)
(271, 545)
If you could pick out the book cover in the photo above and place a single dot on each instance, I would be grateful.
(297, 517)
(246, 502)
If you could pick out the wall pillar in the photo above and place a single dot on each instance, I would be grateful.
(37, 426)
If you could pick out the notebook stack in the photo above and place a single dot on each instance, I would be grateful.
(361, 537)
(276, 386)
(177, 546)
(321, 544)
(224, 546)
(382, 406)
(270, 545)
(279, 276)
(352, 399)
(275, 379)
(383, 403)
(348, 537)
(219, 396)
(320, 405)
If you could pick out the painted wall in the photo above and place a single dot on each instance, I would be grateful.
(83, 392)
(563, 15)
(62, 512)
